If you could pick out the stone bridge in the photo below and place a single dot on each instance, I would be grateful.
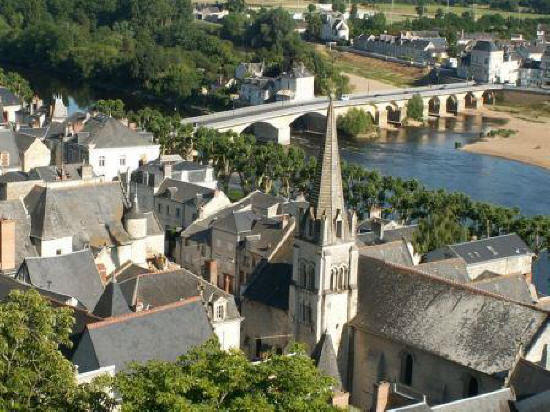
(273, 121)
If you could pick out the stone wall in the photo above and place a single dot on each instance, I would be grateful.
(521, 97)
(377, 359)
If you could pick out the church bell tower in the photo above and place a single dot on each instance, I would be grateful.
(323, 291)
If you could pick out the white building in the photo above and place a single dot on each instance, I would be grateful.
(10, 104)
(489, 63)
(299, 82)
(109, 147)
(334, 27)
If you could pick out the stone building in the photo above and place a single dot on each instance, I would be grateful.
(10, 105)
(21, 152)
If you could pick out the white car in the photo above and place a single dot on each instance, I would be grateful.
(344, 97)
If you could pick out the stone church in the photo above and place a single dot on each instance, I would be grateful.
(390, 334)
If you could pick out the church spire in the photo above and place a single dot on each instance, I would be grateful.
(327, 197)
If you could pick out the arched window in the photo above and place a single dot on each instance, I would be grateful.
(333, 279)
(311, 276)
(407, 369)
(473, 387)
(341, 279)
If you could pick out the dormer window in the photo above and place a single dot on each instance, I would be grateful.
(219, 310)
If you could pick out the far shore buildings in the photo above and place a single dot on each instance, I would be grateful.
(422, 47)
(297, 84)
(334, 27)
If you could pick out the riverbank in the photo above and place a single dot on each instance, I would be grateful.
(530, 145)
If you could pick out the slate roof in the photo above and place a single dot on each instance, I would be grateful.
(473, 328)
(486, 46)
(394, 252)
(112, 302)
(163, 333)
(8, 144)
(483, 250)
(324, 357)
(14, 176)
(73, 274)
(106, 132)
(58, 212)
(528, 379)
(72, 171)
(15, 210)
(514, 287)
(8, 98)
(183, 192)
(163, 288)
(270, 285)
(453, 269)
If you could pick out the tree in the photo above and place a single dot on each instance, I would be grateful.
(34, 375)
(114, 108)
(236, 6)
(415, 108)
(438, 230)
(420, 6)
(339, 5)
(208, 378)
(311, 8)
(354, 122)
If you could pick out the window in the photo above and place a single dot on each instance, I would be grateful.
(339, 228)
(58, 251)
(160, 208)
(306, 314)
(167, 209)
(101, 161)
(178, 212)
(123, 160)
(220, 312)
(311, 277)
(407, 369)
(473, 387)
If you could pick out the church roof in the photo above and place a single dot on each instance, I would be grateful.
(473, 328)
(327, 196)
(325, 359)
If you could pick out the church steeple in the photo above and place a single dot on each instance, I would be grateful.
(327, 197)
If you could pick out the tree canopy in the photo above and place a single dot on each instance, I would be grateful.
(415, 108)
(34, 375)
(208, 379)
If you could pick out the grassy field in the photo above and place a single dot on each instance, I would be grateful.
(400, 11)
(369, 68)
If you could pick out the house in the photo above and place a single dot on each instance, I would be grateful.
(490, 63)
(212, 14)
(247, 70)
(409, 46)
(20, 152)
(501, 255)
(10, 105)
(115, 230)
(72, 274)
(334, 27)
(147, 179)
(298, 82)
(108, 146)
(531, 53)
(264, 307)
(257, 90)
(162, 333)
(235, 239)
(543, 33)
(151, 290)
(177, 204)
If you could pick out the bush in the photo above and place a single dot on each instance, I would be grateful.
(355, 122)
(415, 108)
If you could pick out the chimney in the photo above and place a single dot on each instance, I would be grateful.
(86, 172)
(7, 244)
(284, 221)
(375, 212)
(382, 396)
(212, 271)
(102, 270)
(167, 171)
(139, 306)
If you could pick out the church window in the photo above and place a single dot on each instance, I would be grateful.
(310, 228)
(341, 279)
(333, 279)
(473, 387)
(311, 277)
(407, 369)
(339, 228)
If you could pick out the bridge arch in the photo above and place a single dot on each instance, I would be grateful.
(488, 97)
(264, 131)
(393, 113)
(470, 101)
(451, 104)
(434, 105)
(310, 122)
